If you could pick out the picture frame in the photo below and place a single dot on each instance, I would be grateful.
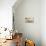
(29, 19)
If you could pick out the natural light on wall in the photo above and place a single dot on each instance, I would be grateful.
(6, 13)
(6, 18)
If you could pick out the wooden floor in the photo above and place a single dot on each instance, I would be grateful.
(9, 43)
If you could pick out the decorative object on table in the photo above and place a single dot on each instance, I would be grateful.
(29, 19)
(5, 29)
(2, 33)
(9, 34)
(29, 43)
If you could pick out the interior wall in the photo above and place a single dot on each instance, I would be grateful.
(43, 22)
(6, 13)
(6, 18)
(29, 8)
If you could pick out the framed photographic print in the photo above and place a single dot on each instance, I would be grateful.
(29, 19)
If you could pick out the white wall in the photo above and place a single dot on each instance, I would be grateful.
(43, 22)
(30, 30)
(6, 13)
(6, 18)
